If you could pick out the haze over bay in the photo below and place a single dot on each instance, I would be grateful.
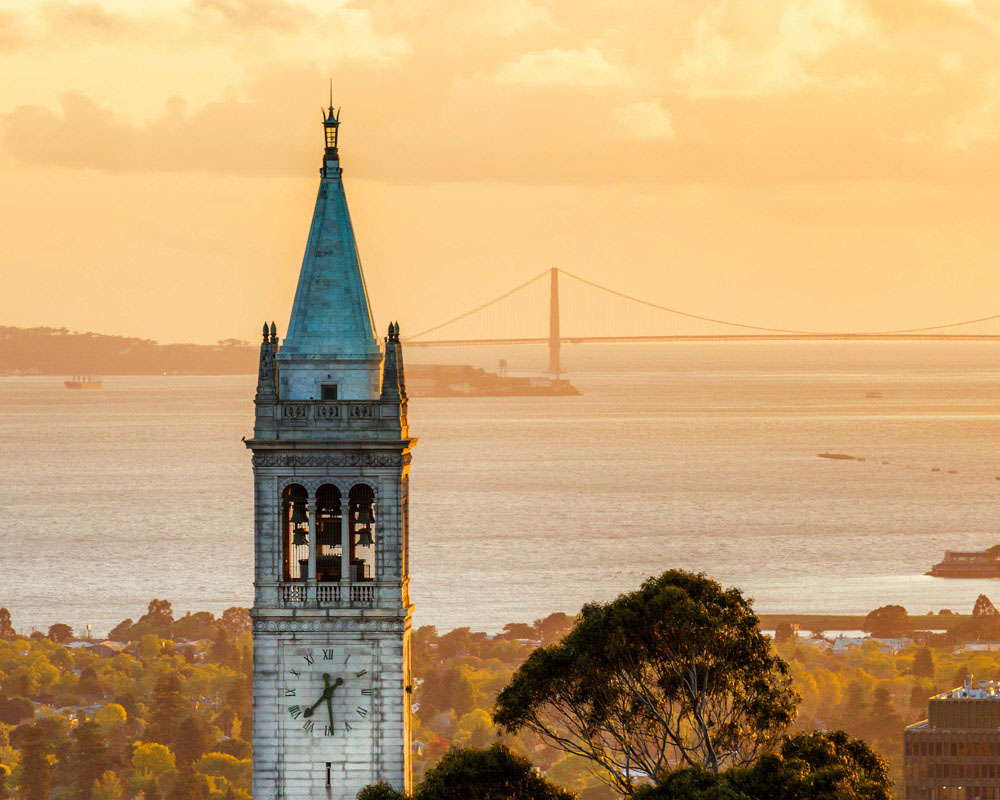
(706, 459)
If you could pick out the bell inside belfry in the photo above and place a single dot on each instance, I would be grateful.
(298, 514)
(365, 522)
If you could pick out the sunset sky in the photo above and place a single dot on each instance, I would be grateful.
(817, 164)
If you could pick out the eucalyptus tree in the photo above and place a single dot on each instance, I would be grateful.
(674, 674)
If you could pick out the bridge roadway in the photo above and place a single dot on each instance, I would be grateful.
(721, 337)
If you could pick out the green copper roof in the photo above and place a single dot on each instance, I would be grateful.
(331, 315)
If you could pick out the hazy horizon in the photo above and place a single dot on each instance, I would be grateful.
(807, 164)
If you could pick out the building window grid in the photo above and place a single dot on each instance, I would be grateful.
(940, 765)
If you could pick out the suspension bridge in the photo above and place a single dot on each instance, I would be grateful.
(568, 309)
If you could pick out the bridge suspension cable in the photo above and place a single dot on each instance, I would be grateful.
(580, 310)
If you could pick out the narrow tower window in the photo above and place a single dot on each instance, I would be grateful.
(295, 532)
(362, 532)
(328, 548)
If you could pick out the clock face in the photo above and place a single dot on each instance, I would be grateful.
(328, 692)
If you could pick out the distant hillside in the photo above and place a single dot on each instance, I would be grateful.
(58, 351)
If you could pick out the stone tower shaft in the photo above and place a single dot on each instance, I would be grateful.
(331, 460)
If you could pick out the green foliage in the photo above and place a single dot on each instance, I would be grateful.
(923, 663)
(814, 766)
(120, 632)
(35, 773)
(110, 718)
(888, 622)
(148, 689)
(495, 773)
(15, 710)
(190, 743)
(90, 758)
(839, 690)
(167, 708)
(985, 622)
(7, 632)
(475, 729)
(675, 672)
(190, 786)
(236, 772)
(152, 759)
(60, 632)
(380, 791)
(107, 787)
(784, 633)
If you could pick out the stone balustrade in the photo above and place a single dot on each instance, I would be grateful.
(296, 594)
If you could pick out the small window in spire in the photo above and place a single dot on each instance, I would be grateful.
(329, 391)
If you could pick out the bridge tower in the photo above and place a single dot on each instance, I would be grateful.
(555, 340)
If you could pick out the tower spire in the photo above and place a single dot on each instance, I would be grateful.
(331, 335)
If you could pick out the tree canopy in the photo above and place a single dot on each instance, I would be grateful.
(494, 773)
(676, 672)
(807, 766)
(888, 622)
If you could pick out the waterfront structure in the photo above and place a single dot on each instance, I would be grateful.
(954, 754)
(968, 564)
(331, 455)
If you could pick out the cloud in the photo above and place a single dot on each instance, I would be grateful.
(85, 22)
(511, 17)
(278, 16)
(262, 27)
(645, 121)
(586, 68)
(529, 91)
(11, 35)
(237, 135)
(742, 50)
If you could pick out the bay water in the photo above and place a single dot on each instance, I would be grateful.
(525, 506)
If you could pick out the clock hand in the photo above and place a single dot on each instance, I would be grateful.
(327, 694)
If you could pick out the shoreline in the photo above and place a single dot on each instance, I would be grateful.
(851, 622)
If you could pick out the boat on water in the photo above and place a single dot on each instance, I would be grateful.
(83, 382)
(968, 564)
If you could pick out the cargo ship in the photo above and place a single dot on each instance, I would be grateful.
(968, 564)
(83, 382)
(447, 380)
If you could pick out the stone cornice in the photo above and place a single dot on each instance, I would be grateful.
(336, 458)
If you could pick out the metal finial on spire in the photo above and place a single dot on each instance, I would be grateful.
(331, 122)
(265, 331)
(274, 330)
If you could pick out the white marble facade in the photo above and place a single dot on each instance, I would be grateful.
(331, 683)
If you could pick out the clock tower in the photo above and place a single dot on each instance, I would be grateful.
(331, 459)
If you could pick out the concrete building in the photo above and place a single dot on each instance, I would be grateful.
(331, 456)
(954, 754)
